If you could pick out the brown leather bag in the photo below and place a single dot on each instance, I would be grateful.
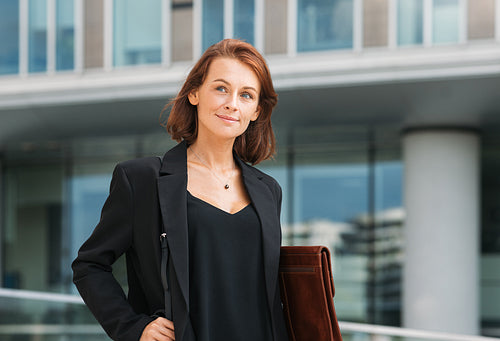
(307, 292)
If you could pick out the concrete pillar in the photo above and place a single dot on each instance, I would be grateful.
(441, 193)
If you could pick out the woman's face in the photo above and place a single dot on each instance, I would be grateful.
(227, 100)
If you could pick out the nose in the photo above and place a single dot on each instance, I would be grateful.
(231, 104)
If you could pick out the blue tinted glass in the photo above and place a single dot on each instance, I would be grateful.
(137, 32)
(212, 22)
(410, 22)
(324, 24)
(88, 193)
(445, 21)
(9, 36)
(37, 50)
(65, 35)
(244, 20)
(334, 193)
(388, 185)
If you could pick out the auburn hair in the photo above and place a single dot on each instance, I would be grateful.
(257, 143)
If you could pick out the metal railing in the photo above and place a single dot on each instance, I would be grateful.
(351, 330)
(40, 296)
(377, 330)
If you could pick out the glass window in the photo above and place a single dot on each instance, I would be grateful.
(324, 25)
(9, 36)
(329, 199)
(445, 22)
(53, 201)
(388, 241)
(37, 51)
(65, 35)
(410, 22)
(212, 22)
(89, 188)
(339, 192)
(33, 227)
(137, 32)
(244, 20)
(88, 183)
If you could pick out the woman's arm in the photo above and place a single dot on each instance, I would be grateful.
(92, 269)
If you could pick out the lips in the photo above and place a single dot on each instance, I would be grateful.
(227, 118)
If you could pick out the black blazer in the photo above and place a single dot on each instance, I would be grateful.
(146, 197)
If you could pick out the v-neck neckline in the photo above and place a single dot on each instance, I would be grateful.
(218, 208)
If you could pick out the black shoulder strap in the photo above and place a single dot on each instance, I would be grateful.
(164, 273)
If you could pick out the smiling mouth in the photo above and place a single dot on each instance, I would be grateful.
(227, 118)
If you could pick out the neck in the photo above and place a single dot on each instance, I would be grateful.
(217, 154)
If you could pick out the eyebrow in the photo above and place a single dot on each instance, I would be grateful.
(226, 82)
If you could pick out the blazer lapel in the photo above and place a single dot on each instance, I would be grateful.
(266, 207)
(172, 185)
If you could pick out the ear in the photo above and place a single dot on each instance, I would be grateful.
(193, 97)
(256, 114)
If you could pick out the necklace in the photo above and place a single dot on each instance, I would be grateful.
(224, 183)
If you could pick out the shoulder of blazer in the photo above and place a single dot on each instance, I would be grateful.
(141, 168)
(268, 180)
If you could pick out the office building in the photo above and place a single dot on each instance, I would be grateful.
(388, 128)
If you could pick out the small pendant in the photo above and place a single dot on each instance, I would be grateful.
(226, 186)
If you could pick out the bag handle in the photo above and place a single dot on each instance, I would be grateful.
(164, 267)
(164, 275)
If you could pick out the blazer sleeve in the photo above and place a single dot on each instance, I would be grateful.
(92, 269)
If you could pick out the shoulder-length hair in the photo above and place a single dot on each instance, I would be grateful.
(257, 143)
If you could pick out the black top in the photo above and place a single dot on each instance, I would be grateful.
(227, 287)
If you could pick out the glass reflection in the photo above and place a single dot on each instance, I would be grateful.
(244, 20)
(9, 36)
(37, 51)
(89, 188)
(387, 240)
(410, 22)
(137, 32)
(65, 34)
(339, 192)
(445, 21)
(88, 193)
(212, 22)
(329, 200)
(33, 228)
(324, 25)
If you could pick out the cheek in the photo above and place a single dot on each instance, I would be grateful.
(215, 102)
(208, 104)
(255, 114)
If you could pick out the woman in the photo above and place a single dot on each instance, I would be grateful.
(220, 215)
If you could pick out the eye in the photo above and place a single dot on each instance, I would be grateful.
(221, 88)
(247, 95)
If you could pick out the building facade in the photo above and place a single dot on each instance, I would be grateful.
(388, 128)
